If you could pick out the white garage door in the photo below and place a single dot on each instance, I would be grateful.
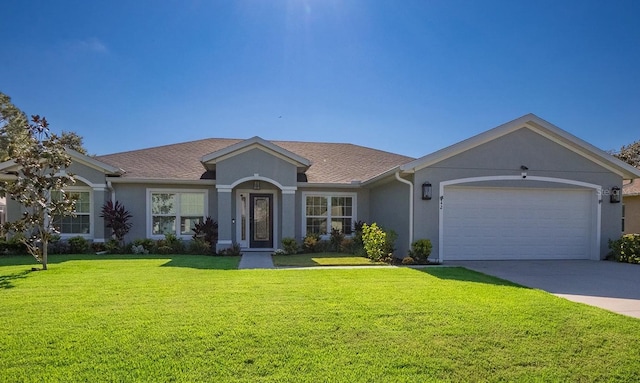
(514, 223)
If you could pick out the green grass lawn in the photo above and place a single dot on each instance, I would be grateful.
(322, 259)
(194, 318)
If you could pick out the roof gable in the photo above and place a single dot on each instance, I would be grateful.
(254, 143)
(539, 126)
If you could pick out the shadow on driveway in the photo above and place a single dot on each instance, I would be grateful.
(610, 285)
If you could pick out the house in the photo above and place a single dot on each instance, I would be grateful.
(523, 190)
(631, 207)
(3, 206)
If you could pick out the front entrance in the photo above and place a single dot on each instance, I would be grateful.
(260, 220)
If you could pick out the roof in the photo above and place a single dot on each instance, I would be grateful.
(256, 142)
(631, 189)
(331, 163)
(540, 126)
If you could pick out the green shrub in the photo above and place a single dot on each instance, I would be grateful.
(138, 249)
(420, 250)
(408, 261)
(98, 247)
(112, 246)
(78, 245)
(13, 245)
(199, 247)
(290, 245)
(377, 243)
(169, 245)
(147, 243)
(310, 243)
(626, 248)
(336, 239)
(234, 250)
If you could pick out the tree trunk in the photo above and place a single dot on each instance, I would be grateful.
(45, 246)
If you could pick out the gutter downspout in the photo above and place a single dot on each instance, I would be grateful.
(113, 191)
(410, 205)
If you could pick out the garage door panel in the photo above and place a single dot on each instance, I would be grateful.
(511, 223)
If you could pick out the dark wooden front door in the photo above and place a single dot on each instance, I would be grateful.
(261, 218)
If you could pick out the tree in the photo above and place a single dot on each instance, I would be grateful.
(630, 154)
(73, 141)
(41, 160)
(12, 123)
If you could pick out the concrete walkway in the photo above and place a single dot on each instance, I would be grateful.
(609, 285)
(256, 260)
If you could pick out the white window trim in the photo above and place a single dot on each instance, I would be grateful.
(173, 191)
(328, 195)
(89, 235)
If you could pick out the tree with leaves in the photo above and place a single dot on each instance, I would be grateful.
(630, 154)
(40, 161)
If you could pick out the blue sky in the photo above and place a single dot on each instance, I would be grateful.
(409, 77)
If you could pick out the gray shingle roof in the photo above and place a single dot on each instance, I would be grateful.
(330, 162)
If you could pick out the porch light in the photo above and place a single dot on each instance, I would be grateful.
(256, 185)
(426, 191)
(614, 197)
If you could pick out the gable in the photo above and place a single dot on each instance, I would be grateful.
(538, 127)
(255, 161)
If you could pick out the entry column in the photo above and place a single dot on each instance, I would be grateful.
(288, 213)
(225, 239)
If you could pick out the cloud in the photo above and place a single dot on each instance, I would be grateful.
(93, 45)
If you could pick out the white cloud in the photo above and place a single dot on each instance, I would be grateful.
(88, 45)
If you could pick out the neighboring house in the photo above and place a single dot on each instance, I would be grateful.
(523, 190)
(631, 207)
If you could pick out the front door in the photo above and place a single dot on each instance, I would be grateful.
(261, 221)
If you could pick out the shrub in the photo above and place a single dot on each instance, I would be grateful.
(139, 249)
(116, 218)
(310, 243)
(98, 247)
(78, 245)
(420, 250)
(290, 246)
(57, 245)
(112, 246)
(408, 261)
(336, 239)
(169, 245)
(147, 243)
(626, 248)
(207, 231)
(200, 247)
(375, 242)
(280, 252)
(13, 245)
(234, 250)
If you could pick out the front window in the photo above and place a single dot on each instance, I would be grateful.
(176, 213)
(80, 222)
(326, 212)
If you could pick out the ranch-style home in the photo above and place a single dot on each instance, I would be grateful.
(523, 190)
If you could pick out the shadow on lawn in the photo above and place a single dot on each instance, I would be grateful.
(204, 262)
(466, 275)
(6, 281)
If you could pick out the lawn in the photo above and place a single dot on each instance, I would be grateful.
(193, 318)
(322, 259)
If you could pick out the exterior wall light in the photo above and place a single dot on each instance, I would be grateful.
(614, 197)
(426, 191)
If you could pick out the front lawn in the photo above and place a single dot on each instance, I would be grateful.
(322, 259)
(192, 318)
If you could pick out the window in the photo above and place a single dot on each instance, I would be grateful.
(326, 212)
(176, 212)
(80, 222)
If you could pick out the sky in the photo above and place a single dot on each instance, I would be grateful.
(409, 77)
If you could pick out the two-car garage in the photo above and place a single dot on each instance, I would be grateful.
(493, 223)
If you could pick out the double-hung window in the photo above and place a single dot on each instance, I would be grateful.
(324, 212)
(176, 212)
(80, 222)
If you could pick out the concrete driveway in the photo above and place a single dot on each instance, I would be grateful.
(610, 285)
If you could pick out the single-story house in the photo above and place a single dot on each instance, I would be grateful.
(3, 206)
(631, 207)
(523, 190)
